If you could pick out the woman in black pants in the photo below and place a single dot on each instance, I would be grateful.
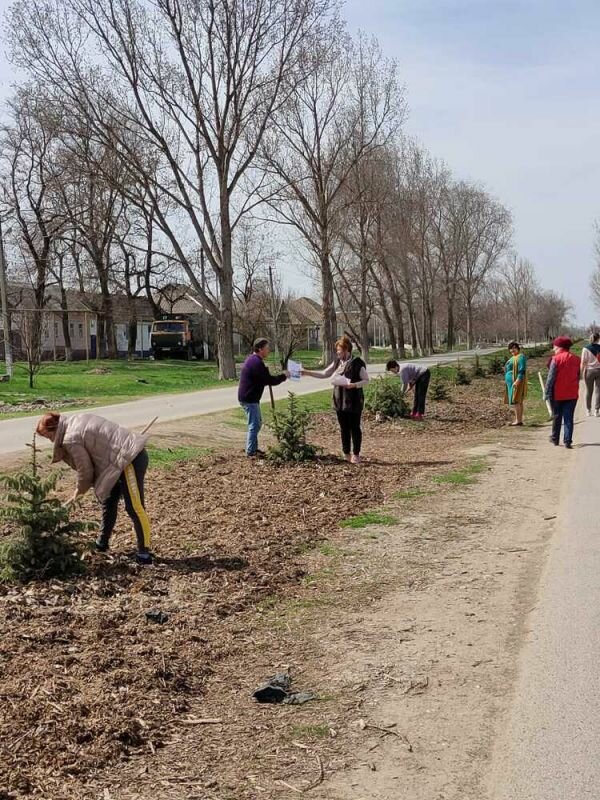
(349, 375)
(416, 377)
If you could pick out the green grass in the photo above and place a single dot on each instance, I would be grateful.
(411, 494)
(319, 731)
(368, 518)
(122, 381)
(536, 413)
(166, 456)
(462, 477)
(330, 550)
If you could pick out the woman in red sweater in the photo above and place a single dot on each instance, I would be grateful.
(562, 389)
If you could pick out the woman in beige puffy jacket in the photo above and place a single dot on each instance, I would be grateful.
(111, 459)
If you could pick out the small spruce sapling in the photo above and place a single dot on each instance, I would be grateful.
(495, 365)
(478, 370)
(291, 429)
(440, 390)
(461, 378)
(386, 399)
(41, 542)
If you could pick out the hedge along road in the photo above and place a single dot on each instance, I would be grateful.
(15, 433)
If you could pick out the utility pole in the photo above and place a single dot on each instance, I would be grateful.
(5, 317)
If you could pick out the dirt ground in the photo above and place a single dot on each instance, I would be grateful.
(406, 630)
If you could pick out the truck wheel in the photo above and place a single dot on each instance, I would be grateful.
(190, 354)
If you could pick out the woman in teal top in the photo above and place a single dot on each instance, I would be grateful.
(515, 379)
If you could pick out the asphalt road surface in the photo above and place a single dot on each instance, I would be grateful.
(550, 749)
(14, 433)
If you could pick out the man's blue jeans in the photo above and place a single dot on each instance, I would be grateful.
(563, 411)
(254, 418)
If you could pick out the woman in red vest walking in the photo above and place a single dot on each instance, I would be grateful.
(562, 389)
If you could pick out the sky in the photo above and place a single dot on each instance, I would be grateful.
(507, 93)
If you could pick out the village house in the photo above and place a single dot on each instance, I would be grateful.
(83, 312)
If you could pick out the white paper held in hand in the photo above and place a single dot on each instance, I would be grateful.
(340, 380)
(295, 370)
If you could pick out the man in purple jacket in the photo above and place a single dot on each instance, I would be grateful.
(253, 379)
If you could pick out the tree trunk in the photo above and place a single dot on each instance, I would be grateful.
(65, 324)
(329, 315)
(414, 330)
(364, 327)
(469, 324)
(225, 354)
(389, 321)
(107, 340)
(398, 314)
(132, 330)
(451, 325)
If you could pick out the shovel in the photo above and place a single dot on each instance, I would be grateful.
(548, 403)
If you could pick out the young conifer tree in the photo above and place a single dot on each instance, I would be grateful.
(41, 541)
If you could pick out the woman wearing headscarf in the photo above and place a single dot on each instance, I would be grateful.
(562, 389)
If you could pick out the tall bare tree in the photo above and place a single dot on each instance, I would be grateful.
(487, 239)
(520, 288)
(349, 107)
(28, 148)
(193, 85)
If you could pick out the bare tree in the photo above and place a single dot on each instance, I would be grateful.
(520, 287)
(31, 172)
(349, 107)
(193, 85)
(551, 314)
(487, 239)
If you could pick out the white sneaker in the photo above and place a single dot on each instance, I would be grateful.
(589, 413)
(597, 412)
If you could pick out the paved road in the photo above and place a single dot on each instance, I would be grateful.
(551, 748)
(137, 413)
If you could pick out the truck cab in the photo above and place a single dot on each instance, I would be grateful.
(172, 337)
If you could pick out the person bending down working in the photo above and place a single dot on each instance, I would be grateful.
(562, 389)
(253, 379)
(414, 377)
(111, 459)
(349, 376)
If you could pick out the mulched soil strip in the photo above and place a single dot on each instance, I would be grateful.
(88, 683)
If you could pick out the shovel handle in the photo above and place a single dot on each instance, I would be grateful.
(149, 425)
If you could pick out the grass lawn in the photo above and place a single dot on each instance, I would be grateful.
(103, 382)
(368, 518)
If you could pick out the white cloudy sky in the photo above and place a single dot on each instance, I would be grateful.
(506, 92)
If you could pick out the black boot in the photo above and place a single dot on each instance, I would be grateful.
(101, 544)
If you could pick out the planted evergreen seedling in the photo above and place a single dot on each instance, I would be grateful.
(41, 541)
(291, 429)
(461, 379)
(385, 398)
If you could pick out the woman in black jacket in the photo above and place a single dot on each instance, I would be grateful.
(349, 375)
